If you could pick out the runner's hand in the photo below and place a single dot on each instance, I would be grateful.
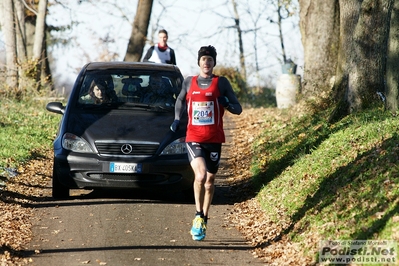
(175, 125)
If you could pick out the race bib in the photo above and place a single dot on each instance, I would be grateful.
(203, 113)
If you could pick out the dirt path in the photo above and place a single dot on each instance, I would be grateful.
(119, 228)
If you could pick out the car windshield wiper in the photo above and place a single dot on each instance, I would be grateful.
(92, 106)
(156, 107)
(97, 106)
(164, 108)
(140, 105)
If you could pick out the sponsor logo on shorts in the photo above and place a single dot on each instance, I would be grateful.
(214, 156)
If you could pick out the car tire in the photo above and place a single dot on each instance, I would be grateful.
(59, 191)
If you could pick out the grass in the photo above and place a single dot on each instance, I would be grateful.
(330, 181)
(26, 127)
(317, 180)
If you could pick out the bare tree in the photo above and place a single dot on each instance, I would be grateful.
(40, 30)
(284, 9)
(20, 31)
(281, 9)
(10, 43)
(256, 18)
(39, 53)
(139, 31)
(155, 26)
(243, 70)
(16, 40)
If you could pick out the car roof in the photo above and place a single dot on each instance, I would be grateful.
(131, 65)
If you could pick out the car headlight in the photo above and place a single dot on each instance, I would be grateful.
(176, 147)
(74, 143)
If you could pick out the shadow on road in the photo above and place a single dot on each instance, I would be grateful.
(99, 196)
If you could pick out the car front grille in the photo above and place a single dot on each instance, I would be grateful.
(137, 149)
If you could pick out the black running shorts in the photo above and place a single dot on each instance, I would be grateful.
(209, 151)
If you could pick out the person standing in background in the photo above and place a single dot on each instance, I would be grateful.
(161, 52)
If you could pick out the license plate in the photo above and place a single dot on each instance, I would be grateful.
(125, 167)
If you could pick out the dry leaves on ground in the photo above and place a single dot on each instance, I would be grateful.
(271, 246)
(31, 185)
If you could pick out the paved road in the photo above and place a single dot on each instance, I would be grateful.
(122, 228)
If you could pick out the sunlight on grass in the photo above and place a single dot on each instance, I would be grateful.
(339, 180)
(26, 126)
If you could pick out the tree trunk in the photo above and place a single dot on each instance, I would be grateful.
(243, 70)
(40, 30)
(39, 54)
(30, 28)
(280, 32)
(392, 90)
(139, 31)
(20, 31)
(319, 25)
(362, 54)
(10, 41)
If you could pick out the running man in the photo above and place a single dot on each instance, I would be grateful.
(206, 97)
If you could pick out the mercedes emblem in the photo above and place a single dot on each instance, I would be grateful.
(126, 148)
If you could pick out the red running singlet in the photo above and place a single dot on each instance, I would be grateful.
(205, 123)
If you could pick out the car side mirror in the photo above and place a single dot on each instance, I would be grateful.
(55, 107)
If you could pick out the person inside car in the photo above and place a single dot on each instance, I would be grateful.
(98, 93)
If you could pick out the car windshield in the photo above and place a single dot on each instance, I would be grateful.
(121, 89)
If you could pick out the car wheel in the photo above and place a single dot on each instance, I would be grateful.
(59, 191)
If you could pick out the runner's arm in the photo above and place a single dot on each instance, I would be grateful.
(172, 56)
(148, 54)
(227, 91)
(180, 104)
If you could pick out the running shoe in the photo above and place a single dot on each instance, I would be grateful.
(198, 231)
